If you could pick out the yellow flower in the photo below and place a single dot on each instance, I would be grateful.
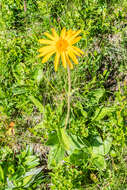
(62, 46)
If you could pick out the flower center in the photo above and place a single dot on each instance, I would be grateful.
(62, 45)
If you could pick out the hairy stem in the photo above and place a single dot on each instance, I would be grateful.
(69, 96)
(25, 8)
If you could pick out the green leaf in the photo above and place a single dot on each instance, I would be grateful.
(100, 113)
(39, 125)
(79, 106)
(76, 143)
(107, 145)
(63, 139)
(31, 161)
(101, 147)
(1, 173)
(79, 156)
(18, 90)
(97, 146)
(113, 153)
(56, 155)
(98, 93)
(11, 169)
(37, 103)
(95, 95)
(61, 142)
(2, 94)
(99, 162)
(30, 176)
(52, 139)
(38, 75)
(27, 179)
(68, 141)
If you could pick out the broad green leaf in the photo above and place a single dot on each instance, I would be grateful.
(61, 142)
(101, 147)
(70, 142)
(79, 156)
(99, 162)
(56, 155)
(107, 145)
(76, 143)
(37, 103)
(52, 139)
(64, 139)
(97, 146)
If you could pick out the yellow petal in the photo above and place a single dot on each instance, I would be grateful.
(55, 34)
(63, 59)
(73, 57)
(77, 33)
(47, 56)
(45, 48)
(63, 32)
(69, 62)
(56, 62)
(77, 49)
(44, 53)
(75, 40)
(49, 36)
(68, 33)
(73, 32)
(74, 51)
(43, 41)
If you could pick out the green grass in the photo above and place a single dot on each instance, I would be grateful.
(34, 97)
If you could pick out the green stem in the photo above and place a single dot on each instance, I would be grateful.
(69, 96)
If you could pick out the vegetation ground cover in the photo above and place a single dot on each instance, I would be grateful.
(36, 152)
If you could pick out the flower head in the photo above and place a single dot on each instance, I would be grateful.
(62, 46)
(12, 124)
